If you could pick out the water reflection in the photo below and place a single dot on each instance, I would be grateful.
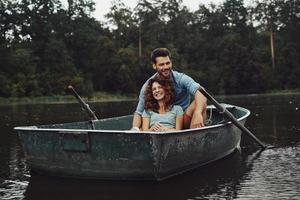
(249, 174)
(15, 175)
(275, 175)
(221, 179)
(274, 119)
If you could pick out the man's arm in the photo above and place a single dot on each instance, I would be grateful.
(199, 115)
(197, 109)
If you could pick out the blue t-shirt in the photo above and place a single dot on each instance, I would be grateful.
(167, 119)
(184, 85)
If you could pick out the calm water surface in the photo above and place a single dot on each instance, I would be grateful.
(248, 174)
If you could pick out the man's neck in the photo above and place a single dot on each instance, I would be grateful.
(163, 77)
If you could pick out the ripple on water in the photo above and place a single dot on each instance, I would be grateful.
(13, 189)
(274, 175)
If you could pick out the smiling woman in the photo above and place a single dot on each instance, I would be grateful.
(160, 114)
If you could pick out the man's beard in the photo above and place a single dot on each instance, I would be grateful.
(162, 74)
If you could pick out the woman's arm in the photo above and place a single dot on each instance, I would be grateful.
(145, 124)
(179, 122)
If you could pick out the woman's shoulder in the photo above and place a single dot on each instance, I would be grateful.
(177, 108)
(147, 113)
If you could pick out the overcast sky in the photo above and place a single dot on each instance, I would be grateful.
(103, 6)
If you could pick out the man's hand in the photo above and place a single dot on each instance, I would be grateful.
(197, 120)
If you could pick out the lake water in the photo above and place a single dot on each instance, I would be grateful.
(246, 174)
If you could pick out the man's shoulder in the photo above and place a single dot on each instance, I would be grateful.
(146, 82)
(178, 75)
(151, 77)
(181, 78)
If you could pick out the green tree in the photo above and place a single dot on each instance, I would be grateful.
(80, 8)
(44, 46)
(240, 71)
(288, 70)
(125, 25)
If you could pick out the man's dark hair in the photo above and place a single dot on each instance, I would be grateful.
(159, 52)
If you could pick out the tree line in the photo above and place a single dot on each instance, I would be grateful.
(228, 48)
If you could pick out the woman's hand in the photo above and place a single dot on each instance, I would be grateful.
(158, 127)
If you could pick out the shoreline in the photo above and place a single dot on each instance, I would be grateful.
(64, 99)
(105, 97)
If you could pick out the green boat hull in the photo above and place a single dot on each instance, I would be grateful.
(105, 149)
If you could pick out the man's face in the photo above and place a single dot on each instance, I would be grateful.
(163, 66)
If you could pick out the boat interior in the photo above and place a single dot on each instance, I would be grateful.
(214, 117)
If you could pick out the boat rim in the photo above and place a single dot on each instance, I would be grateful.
(35, 128)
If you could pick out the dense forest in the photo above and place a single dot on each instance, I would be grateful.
(229, 48)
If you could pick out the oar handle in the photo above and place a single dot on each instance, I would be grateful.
(84, 105)
(228, 114)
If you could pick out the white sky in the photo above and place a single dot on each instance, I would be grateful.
(103, 6)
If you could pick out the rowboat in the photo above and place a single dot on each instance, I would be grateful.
(108, 149)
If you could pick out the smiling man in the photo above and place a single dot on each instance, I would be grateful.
(185, 87)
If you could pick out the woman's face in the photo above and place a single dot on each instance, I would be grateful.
(158, 91)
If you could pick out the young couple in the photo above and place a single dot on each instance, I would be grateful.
(164, 101)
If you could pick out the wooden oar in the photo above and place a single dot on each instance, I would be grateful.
(231, 117)
(84, 105)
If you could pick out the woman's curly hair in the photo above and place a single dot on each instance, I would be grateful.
(150, 102)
